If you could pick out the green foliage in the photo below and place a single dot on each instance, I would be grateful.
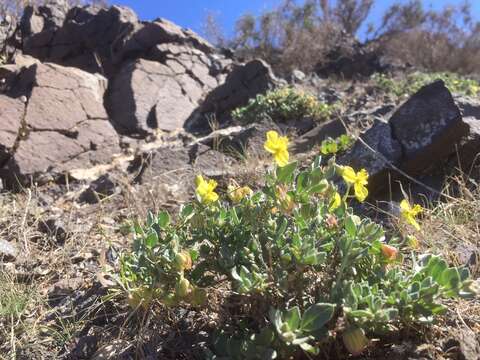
(288, 264)
(334, 146)
(14, 298)
(282, 105)
(414, 81)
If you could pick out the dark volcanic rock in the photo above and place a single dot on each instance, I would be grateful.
(148, 95)
(11, 115)
(63, 127)
(420, 135)
(55, 228)
(242, 83)
(102, 187)
(381, 150)
(428, 126)
(100, 40)
(307, 141)
(470, 146)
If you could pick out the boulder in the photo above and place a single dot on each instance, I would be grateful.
(307, 141)
(428, 126)
(11, 115)
(374, 152)
(469, 151)
(62, 126)
(100, 40)
(87, 38)
(242, 83)
(419, 136)
(147, 95)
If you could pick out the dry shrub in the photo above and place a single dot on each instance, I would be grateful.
(301, 35)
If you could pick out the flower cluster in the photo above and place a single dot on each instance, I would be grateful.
(286, 266)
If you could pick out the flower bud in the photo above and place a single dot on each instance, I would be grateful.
(199, 297)
(169, 300)
(288, 336)
(140, 297)
(355, 340)
(183, 261)
(331, 221)
(183, 288)
(389, 252)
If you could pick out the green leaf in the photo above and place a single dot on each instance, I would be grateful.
(151, 240)
(314, 258)
(276, 318)
(285, 174)
(293, 318)
(351, 225)
(365, 314)
(150, 219)
(319, 188)
(309, 348)
(186, 211)
(163, 219)
(316, 316)
(302, 181)
(450, 279)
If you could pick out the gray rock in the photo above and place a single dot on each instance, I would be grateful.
(470, 146)
(100, 188)
(382, 149)
(242, 83)
(55, 228)
(11, 114)
(8, 251)
(307, 141)
(428, 126)
(65, 126)
(148, 95)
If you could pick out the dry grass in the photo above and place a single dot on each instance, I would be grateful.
(51, 296)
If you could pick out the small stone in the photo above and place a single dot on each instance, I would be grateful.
(98, 189)
(54, 228)
(8, 251)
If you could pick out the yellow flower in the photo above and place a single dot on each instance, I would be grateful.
(236, 194)
(335, 202)
(359, 181)
(278, 146)
(205, 190)
(409, 213)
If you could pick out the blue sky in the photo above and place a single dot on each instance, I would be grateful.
(191, 13)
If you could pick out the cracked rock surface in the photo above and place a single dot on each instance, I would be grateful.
(62, 125)
(421, 134)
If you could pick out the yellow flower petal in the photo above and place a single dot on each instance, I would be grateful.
(417, 209)
(335, 202)
(361, 192)
(281, 158)
(349, 175)
(404, 205)
(362, 177)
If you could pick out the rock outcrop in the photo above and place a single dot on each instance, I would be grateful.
(419, 136)
(59, 125)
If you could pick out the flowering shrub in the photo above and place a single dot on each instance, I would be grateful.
(285, 263)
(283, 104)
(414, 81)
